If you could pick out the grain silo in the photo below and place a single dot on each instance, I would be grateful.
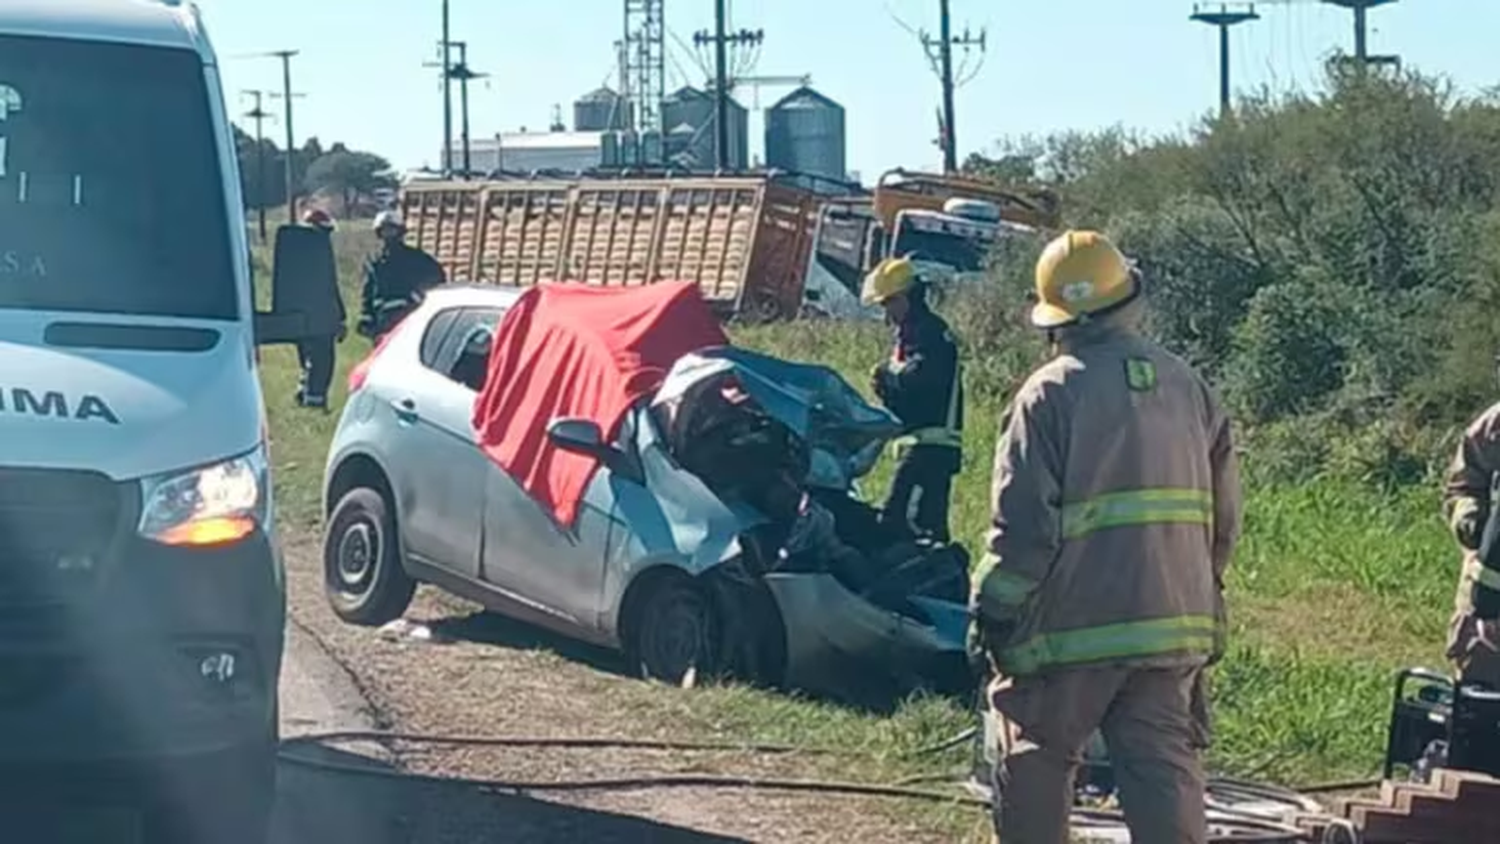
(601, 110)
(805, 134)
(688, 117)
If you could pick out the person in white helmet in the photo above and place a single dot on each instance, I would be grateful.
(395, 277)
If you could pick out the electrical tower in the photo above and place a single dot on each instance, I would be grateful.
(940, 51)
(259, 115)
(722, 39)
(1361, 9)
(1225, 18)
(644, 68)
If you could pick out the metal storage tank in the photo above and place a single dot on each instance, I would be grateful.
(601, 110)
(695, 109)
(805, 133)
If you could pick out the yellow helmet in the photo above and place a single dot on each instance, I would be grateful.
(1079, 274)
(891, 277)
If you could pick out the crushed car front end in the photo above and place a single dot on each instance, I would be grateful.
(821, 597)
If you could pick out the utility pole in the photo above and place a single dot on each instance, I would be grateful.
(1224, 18)
(447, 96)
(260, 116)
(291, 151)
(1361, 9)
(944, 44)
(463, 73)
(721, 39)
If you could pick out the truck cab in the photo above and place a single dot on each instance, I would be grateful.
(952, 245)
(141, 584)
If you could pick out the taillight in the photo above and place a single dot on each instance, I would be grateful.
(361, 371)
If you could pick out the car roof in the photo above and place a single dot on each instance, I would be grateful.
(472, 295)
(156, 23)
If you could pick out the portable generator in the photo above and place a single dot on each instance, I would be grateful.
(1440, 722)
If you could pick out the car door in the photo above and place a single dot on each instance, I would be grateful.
(444, 471)
(557, 570)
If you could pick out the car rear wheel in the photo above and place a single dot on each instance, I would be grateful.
(675, 632)
(362, 572)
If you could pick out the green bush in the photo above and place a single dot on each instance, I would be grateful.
(1331, 260)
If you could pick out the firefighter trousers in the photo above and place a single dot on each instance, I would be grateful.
(1473, 660)
(317, 356)
(1152, 728)
(921, 489)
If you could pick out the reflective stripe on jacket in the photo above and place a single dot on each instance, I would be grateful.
(1117, 509)
(922, 382)
(1467, 491)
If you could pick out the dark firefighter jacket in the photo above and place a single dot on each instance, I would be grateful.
(392, 277)
(922, 382)
(304, 278)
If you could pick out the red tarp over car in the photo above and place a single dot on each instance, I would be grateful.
(575, 351)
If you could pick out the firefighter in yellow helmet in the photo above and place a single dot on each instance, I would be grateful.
(1099, 602)
(920, 383)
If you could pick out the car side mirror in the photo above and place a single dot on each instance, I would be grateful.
(582, 436)
(579, 436)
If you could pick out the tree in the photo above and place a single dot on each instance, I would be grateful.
(350, 175)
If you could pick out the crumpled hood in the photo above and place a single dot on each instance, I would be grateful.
(845, 433)
(125, 412)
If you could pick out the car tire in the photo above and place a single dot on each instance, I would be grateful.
(675, 632)
(362, 574)
(228, 798)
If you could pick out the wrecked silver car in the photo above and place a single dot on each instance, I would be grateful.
(602, 462)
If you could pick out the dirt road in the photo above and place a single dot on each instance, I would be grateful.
(493, 677)
(319, 695)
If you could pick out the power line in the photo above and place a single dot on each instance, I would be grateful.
(288, 96)
(447, 39)
(259, 115)
(1361, 10)
(944, 44)
(1224, 19)
(721, 41)
(462, 74)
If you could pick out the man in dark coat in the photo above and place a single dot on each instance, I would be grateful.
(305, 280)
(395, 277)
(922, 385)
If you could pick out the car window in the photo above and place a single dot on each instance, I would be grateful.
(465, 353)
(437, 331)
(112, 189)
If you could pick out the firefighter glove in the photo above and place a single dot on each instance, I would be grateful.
(1468, 524)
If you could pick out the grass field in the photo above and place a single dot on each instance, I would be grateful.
(1335, 586)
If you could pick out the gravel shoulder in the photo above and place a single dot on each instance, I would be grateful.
(492, 677)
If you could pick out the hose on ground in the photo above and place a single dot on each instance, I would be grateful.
(344, 736)
(1251, 830)
(585, 743)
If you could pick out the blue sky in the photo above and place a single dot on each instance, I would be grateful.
(1051, 64)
